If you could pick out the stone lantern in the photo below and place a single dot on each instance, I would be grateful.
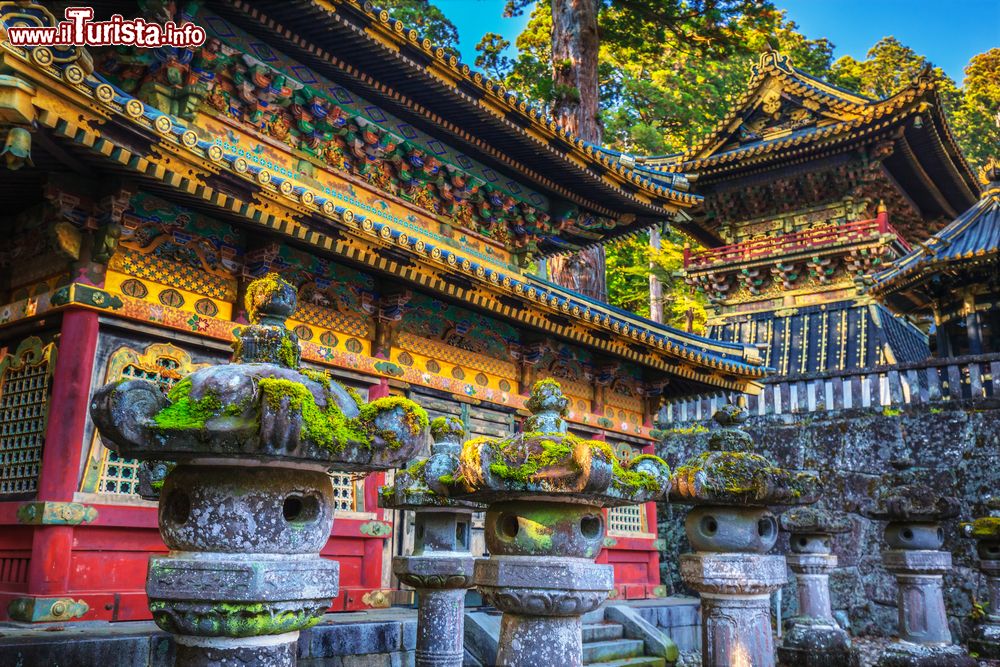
(250, 503)
(815, 639)
(985, 638)
(914, 508)
(731, 529)
(441, 567)
(544, 490)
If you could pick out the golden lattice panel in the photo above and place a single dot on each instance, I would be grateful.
(628, 520)
(24, 395)
(345, 493)
(175, 274)
(331, 319)
(455, 355)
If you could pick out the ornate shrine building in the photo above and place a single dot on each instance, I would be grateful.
(404, 195)
(808, 188)
(954, 277)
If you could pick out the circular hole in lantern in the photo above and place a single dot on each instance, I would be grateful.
(300, 509)
(178, 507)
(590, 527)
(508, 526)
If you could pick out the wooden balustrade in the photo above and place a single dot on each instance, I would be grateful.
(928, 382)
(755, 249)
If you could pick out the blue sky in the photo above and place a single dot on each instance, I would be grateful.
(948, 32)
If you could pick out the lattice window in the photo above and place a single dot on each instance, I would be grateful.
(347, 492)
(161, 363)
(628, 519)
(24, 395)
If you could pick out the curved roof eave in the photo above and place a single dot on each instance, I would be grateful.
(414, 77)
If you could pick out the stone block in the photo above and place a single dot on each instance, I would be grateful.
(106, 652)
(162, 651)
(350, 639)
(409, 628)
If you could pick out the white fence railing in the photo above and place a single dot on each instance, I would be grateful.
(879, 387)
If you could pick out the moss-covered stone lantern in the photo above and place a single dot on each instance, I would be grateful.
(914, 508)
(250, 503)
(985, 530)
(544, 490)
(441, 568)
(814, 639)
(731, 529)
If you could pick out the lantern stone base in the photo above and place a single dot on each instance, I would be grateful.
(441, 581)
(542, 600)
(735, 590)
(907, 654)
(811, 644)
(268, 651)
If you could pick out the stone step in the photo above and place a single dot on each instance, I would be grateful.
(596, 616)
(598, 632)
(615, 649)
(640, 661)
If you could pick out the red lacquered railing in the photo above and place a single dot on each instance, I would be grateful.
(754, 249)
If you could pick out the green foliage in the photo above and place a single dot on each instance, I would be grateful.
(629, 268)
(976, 120)
(670, 69)
(429, 21)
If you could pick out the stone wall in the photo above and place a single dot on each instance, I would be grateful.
(850, 449)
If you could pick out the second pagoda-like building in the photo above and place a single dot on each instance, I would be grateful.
(808, 188)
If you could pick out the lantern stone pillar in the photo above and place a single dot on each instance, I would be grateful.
(914, 508)
(985, 638)
(544, 490)
(814, 638)
(441, 567)
(731, 529)
(250, 503)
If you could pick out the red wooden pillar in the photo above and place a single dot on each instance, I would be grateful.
(651, 525)
(52, 546)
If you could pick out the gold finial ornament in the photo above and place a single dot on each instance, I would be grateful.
(989, 173)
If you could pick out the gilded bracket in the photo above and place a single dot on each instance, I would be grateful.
(55, 514)
(38, 610)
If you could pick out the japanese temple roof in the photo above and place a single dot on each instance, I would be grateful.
(786, 117)
(970, 243)
(85, 125)
(385, 60)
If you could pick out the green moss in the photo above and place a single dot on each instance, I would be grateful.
(322, 378)
(414, 417)
(552, 453)
(240, 619)
(185, 412)
(689, 430)
(891, 412)
(625, 479)
(288, 352)
(259, 292)
(442, 426)
(985, 527)
(327, 428)
(536, 532)
(416, 469)
(354, 394)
